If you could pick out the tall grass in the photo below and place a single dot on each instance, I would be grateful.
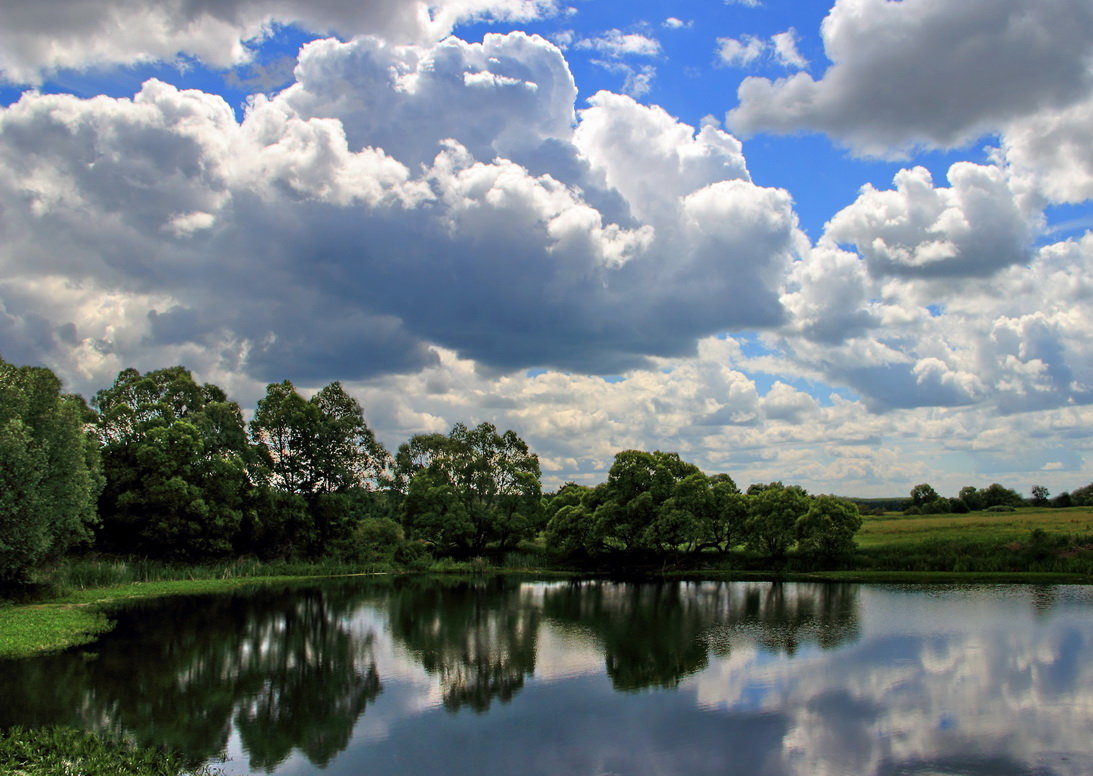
(83, 574)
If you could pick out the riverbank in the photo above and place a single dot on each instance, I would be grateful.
(79, 617)
(1029, 546)
(50, 751)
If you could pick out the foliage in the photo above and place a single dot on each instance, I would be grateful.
(175, 459)
(644, 504)
(58, 750)
(1040, 495)
(49, 470)
(772, 518)
(321, 445)
(828, 527)
(469, 489)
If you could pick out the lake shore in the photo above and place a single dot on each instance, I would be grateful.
(77, 617)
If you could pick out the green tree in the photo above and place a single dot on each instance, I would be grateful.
(175, 459)
(1040, 495)
(923, 494)
(472, 488)
(49, 469)
(322, 450)
(634, 512)
(772, 518)
(971, 497)
(828, 527)
(998, 495)
(321, 445)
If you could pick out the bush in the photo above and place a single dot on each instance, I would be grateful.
(1000, 508)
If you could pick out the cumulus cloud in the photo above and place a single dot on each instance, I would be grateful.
(42, 37)
(973, 227)
(307, 236)
(1013, 341)
(929, 72)
(1050, 153)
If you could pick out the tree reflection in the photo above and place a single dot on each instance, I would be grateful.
(477, 637)
(285, 668)
(657, 634)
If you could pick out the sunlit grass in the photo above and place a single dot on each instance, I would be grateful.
(30, 630)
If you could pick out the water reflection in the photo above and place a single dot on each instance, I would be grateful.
(278, 664)
(477, 638)
(656, 634)
(500, 676)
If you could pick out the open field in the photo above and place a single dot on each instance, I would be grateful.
(1029, 540)
(1004, 527)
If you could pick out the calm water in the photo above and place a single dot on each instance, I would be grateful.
(591, 678)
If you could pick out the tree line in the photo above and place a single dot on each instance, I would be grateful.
(160, 466)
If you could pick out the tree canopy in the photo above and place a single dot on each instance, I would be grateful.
(50, 474)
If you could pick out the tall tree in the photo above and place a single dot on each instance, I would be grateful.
(49, 469)
(471, 488)
(321, 445)
(175, 460)
(772, 517)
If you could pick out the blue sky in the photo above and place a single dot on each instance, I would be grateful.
(845, 244)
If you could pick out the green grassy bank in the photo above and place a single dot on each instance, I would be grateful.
(71, 601)
(53, 751)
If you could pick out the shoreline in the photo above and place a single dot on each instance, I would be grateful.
(79, 617)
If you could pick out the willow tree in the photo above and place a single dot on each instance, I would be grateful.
(49, 469)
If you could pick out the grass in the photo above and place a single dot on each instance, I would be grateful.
(1029, 541)
(896, 530)
(76, 596)
(58, 751)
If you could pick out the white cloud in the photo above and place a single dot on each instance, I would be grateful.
(740, 51)
(619, 44)
(305, 237)
(45, 36)
(672, 23)
(1051, 152)
(785, 49)
(743, 51)
(974, 227)
(929, 72)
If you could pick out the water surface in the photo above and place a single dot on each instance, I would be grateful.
(593, 677)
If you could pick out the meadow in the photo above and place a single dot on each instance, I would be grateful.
(1029, 540)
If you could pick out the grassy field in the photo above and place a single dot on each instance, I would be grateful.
(1026, 541)
(1003, 527)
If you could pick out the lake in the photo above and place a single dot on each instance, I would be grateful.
(509, 676)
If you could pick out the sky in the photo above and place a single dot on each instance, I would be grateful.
(840, 244)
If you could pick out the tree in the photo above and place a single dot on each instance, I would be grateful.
(996, 495)
(971, 497)
(828, 527)
(175, 459)
(322, 450)
(1083, 496)
(1040, 495)
(321, 445)
(772, 518)
(469, 489)
(923, 494)
(49, 470)
(634, 513)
